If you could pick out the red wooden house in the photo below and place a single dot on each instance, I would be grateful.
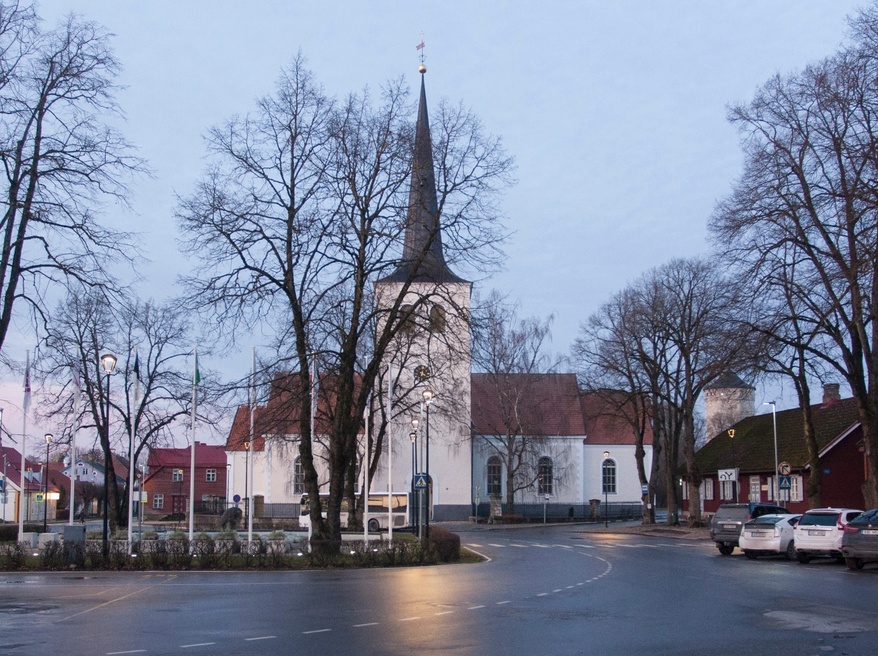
(749, 449)
(167, 482)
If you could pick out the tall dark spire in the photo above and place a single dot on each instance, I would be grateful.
(423, 259)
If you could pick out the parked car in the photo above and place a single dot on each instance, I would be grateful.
(859, 542)
(769, 535)
(725, 529)
(819, 532)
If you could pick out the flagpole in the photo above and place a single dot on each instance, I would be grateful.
(77, 396)
(249, 460)
(192, 458)
(390, 455)
(21, 477)
(131, 464)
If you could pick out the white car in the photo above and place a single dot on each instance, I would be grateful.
(819, 533)
(769, 535)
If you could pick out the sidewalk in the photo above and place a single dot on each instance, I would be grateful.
(620, 528)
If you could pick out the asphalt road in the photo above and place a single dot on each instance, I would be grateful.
(556, 590)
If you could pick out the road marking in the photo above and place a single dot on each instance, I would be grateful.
(475, 607)
(491, 544)
(359, 626)
(198, 644)
(569, 586)
(520, 546)
(542, 594)
(557, 590)
(106, 603)
(409, 619)
(260, 638)
(473, 544)
(444, 612)
(500, 603)
(133, 651)
(316, 631)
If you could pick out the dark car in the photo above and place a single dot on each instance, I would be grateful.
(725, 529)
(859, 542)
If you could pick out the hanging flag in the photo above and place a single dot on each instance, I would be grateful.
(136, 378)
(420, 46)
(76, 377)
(196, 377)
(26, 403)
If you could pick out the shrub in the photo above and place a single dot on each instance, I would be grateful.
(444, 544)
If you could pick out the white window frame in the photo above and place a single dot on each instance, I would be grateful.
(158, 501)
(707, 489)
(177, 476)
(727, 490)
(210, 476)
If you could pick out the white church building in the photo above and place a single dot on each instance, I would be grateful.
(563, 447)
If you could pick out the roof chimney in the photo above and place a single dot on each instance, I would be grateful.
(831, 393)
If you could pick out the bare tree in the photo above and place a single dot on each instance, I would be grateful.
(60, 160)
(301, 212)
(677, 330)
(148, 404)
(807, 199)
(510, 354)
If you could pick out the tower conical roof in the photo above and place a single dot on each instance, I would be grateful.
(423, 259)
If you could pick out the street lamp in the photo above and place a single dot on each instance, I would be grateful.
(604, 476)
(108, 360)
(774, 426)
(246, 480)
(49, 438)
(414, 438)
(428, 400)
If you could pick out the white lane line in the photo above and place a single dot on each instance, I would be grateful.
(569, 587)
(520, 546)
(133, 651)
(542, 594)
(260, 638)
(445, 612)
(476, 607)
(563, 546)
(409, 619)
(557, 590)
(198, 644)
(501, 546)
(359, 626)
(316, 631)
(500, 603)
(473, 544)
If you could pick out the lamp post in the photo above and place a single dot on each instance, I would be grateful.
(228, 484)
(731, 433)
(606, 490)
(49, 438)
(428, 400)
(108, 360)
(5, 484)
(414, 438)
(774, 428)
(246, 480)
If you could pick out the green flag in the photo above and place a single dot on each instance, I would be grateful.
(196, 379)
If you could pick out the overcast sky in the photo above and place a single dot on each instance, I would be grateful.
(614, 111)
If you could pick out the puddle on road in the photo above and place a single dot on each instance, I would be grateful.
(25, 609)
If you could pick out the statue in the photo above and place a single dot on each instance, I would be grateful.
(230, 518)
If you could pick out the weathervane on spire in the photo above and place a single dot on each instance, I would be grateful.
(423, 67)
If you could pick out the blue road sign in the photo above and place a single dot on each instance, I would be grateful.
(785, 482)
(421, 482)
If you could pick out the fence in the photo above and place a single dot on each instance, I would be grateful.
(614, 511)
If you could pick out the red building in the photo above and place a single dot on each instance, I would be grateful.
(167, 483)
(748, 447)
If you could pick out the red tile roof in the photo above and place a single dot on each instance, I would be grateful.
(609, 415)
(206, 455)
(280, 416)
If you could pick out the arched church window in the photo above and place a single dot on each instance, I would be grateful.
(406, 318)
(437, 319)
(298, 476)
(545, 476)
(609, 477)
(495, 475)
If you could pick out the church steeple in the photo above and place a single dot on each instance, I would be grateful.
(423, 259)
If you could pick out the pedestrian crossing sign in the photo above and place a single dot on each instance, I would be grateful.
(785, 483)
(421, 482)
